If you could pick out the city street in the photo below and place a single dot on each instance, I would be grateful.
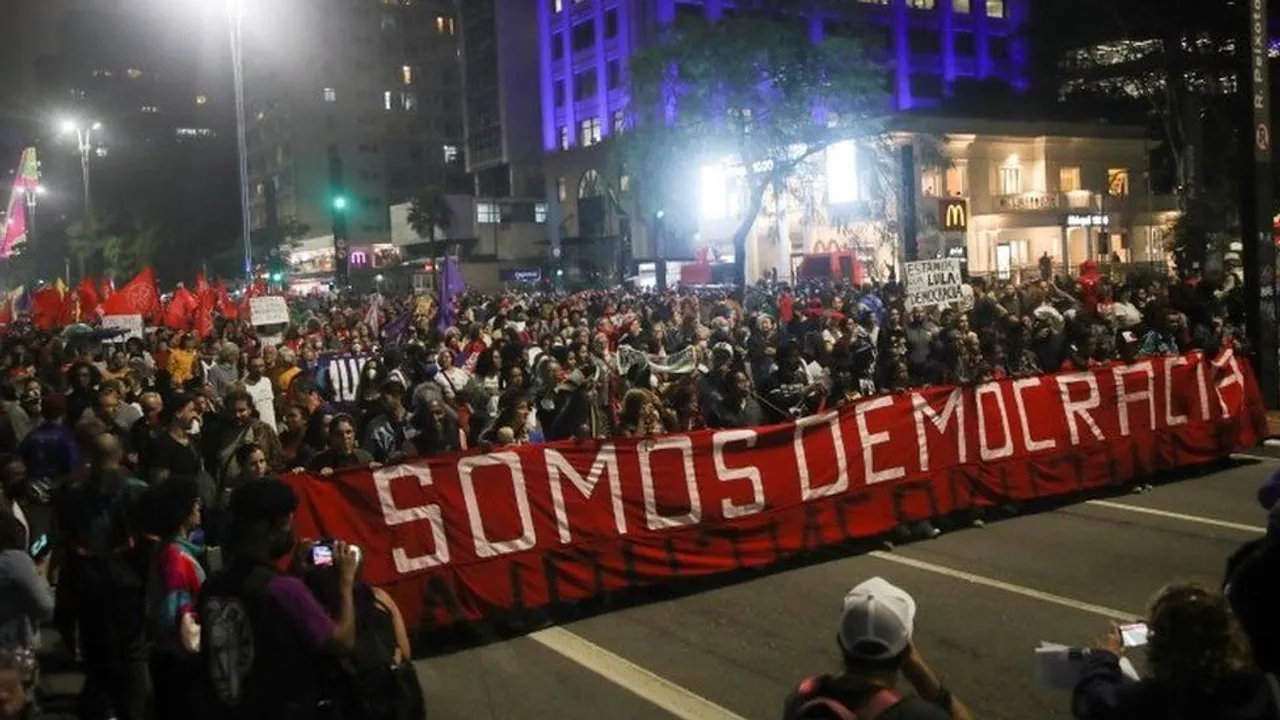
(986, 595)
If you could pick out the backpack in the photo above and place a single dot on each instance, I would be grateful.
(811, 705)
(369, 686)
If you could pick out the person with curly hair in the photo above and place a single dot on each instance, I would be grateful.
(1199, 666)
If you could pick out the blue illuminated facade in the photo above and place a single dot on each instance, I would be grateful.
(585, 45)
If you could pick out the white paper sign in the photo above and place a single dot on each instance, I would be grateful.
(270, 310)
(131, 324)
(933, 283)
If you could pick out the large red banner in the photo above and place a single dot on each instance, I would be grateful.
(465, 537)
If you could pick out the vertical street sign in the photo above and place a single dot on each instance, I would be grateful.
(1256, 203)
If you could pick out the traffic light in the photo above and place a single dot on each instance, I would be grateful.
(276, 277)
(340, 202)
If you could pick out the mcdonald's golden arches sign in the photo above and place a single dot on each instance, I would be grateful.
(953, 214)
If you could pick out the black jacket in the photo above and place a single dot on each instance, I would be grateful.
(1104, 693)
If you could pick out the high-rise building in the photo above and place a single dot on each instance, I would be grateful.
(933, 45)
(375, 85)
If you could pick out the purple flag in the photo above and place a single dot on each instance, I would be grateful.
(451, 286)
(395, 330)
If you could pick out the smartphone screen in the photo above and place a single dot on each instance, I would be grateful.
(39, 546)
(1134, 635)
(321, 556)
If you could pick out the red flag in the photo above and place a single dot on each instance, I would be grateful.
(258, 289)
(224, 304)
(69, 313)
(108, 289)
(87, 294)
(204, 313)
(46, 308)
(139, 296)
(183, 305)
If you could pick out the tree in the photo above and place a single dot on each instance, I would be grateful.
(751, 87)
(429, 211)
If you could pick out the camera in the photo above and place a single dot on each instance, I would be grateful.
(322, 553)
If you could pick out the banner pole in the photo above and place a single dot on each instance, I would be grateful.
(1256, 202)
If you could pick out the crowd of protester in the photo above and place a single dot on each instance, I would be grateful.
(138, 475)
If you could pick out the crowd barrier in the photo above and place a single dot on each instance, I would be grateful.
(466, 537)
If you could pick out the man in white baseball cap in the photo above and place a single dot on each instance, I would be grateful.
(874, 636)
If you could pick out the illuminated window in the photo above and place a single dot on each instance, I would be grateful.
(557, 5)
(444, 25)
(563, 141)
(1118, 182)
(133, 74)
(1069, 179)
(590, 185)
(406, 74)
(450, 153)
(102, 73)
(540, 212)
(330, 95)
(488, 213)
(961, 6)
(931, 183)
(562, 189)
(842, 172)
(589, 132)
(995, 8)
(150, 109)
(409, 101)
(1011, 176)
(202, 99)
(921, 4)
(958, 180)
(386, 100)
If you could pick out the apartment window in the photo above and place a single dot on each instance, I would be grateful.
(409, 101)
(133, 73)
(995, 8)
(589, 132)
(557, 5)
(406, 74)
(920, 4)
(611, 23)
(1118, 182)
(585, 85)
(1011, 176)
(564, 138)
(928, 86)
(1069, 179)
(444, 25)
(924, 41)
(998, 47)
(387, 98)
(584, 36)
(388, 23)
(150, 109)
(562, 189)
(559, 93)
(931, 183)
(488, 213)
(202, 99)
(964, 45)
(557, 46)
(961, 6)
(958, 180)
(450, 154)
(619, 122)
(614, 69)
(540, 212)
(330, 95)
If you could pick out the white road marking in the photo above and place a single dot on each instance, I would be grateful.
(1271, 442)
(1178, 516)
(1256, 458)
(677, 701)
(1100, 610)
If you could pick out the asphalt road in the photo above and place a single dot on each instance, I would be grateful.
(987, 596)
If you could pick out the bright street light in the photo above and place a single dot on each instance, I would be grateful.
(84, 143)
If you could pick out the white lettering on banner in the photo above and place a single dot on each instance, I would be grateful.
(1170, 418)
(953, 409)
(933, 283)
(807, 491)
(871, 440)
(1124, 397)
(984, 449)
(1228, 359)
(1202, 374)
(1074, 410)
(1032, 444)
(606, 465)
(653, 518)
(725, 474)
(486, 548)
(393, 516)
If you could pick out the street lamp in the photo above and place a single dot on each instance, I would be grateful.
(84, 143)
(235, 11)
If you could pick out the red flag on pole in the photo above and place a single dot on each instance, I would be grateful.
(139, 296)
(46, 308)
(87, 294)
(178, 315)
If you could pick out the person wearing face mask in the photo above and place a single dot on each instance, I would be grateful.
(264, 636)
(175, 452)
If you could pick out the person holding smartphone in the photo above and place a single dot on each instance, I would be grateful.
(263, 634)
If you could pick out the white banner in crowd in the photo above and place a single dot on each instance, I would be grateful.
(131, 324)
(933, 283)
(268, 310)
